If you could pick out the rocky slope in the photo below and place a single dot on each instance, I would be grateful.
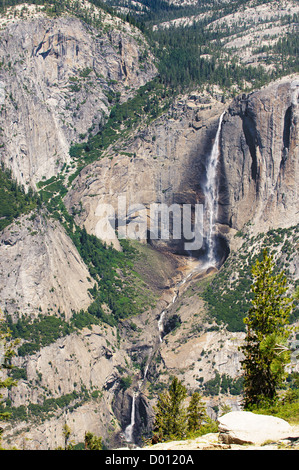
(86, 360)
(163, 162)
(26, 248)
(197, 349)
(166, 162)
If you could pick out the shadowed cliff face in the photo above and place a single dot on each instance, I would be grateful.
(259, 159)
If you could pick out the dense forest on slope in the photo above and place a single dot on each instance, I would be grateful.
(193, 53)
(228, 296)
(14, 200)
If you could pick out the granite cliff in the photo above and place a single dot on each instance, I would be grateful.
(58, 75)
(259, 159)
(257, 168)
(197, 349)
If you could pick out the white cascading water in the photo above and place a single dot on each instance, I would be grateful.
(211, 196)
(161, 325)
(130, 428)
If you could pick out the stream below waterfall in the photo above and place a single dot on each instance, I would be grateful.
(199, 268)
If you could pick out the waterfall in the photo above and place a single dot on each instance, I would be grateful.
(145, 372)
(160, 325)
(211, 202)
(211, 196)
(130, 428)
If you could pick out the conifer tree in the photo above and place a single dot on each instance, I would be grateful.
(196, 413)
(170, 419)
(265, 348)
(92, 442)
(6, 353)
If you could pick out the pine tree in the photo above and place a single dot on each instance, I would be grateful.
(170, 419)
(92, 442)
(265, 348)
(196, 413)
(7, 351)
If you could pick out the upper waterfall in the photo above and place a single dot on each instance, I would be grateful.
(211, 197)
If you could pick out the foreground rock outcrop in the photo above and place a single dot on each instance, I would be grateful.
(244, 427)
(241, 430)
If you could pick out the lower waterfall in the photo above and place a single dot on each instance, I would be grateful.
(130, 428)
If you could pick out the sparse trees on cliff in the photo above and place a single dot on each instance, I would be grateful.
(265, 348)
(6, 354)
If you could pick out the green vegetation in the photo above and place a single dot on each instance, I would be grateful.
(265, 350)
(196, 414)
(14, 200)
(173, 420)
(110, 288)
(187, 58)
(48, 408)
(194, 55)
(118, 291)
(93, 442)
(222, 384)
(45, 330)
(286, 404)
(183, 63)
(56, 8)
(125, 382)
(7, 351)
(228, 295)
(148, 103)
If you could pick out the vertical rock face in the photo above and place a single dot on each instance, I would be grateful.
(85, 359)
(57, 75)
(259, 159)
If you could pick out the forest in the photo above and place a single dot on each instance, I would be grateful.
(14, 200)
